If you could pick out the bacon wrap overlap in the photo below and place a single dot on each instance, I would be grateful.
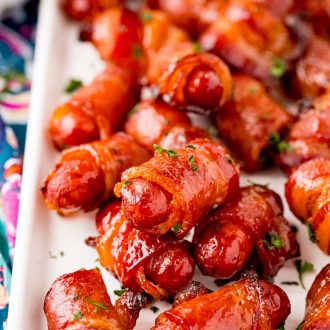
(70, 303)
(249, 119)
(96, 111)
(308, 194)
(225, 241)
(194, 190)
(313, 69)
(85, 176)
(159, 266)
(156, 122)
(318, 303)
(246, 304)
(183, 84)
(249, 36)
(309, 136)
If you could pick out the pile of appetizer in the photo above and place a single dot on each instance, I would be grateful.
(259, 72)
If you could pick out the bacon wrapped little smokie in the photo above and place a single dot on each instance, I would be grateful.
(313, 69)
(80, 301)
(251, 38)
(159, 266)
(225, 240)
(85, 176)
(185, 182)
(156, 122)
(95, 111)
(309, 136)
(308, 195)
(246, 304)
(249, 120)
(318, 303)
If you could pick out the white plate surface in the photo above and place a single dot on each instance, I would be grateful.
(43, 235)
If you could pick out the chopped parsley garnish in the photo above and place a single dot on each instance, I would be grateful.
(136, 51)
(278, 68)
(191, 161)
(176, 227)
(61, 253)
(290, 283)
(95, 303)
(273, 241)
(78, 315)
(253, 90)
(197, 47)
(155, 309)
(279, 144)
(190, 146)
(229, 160)
(126, 183)
(212, 131)
(262, 185)
(119, 293)
(303, 268)
(98, 268)
(145, 16)
(134, 110)
(311, 233)
(73, 85)
(158, 149)
(281, 327)
(77, 297)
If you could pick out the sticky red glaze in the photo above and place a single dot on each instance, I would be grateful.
(81, 10)
(308, 194)
(248, 36)
(318, 302)
(85, 176)
(248, 120)
(313, 69)
(94, 111)
(246, 304)
(174, 261)
(117, 34)
(74, 292)
(203, 88)
(223, 242)
(194, 190)
(309, 136)
(157, 265)
(143, 197)
(197, 82)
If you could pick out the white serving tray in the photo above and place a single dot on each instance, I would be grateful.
(43, 235)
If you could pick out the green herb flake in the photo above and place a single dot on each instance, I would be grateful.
(98, 268)
(281, 327)
(229, 160)
(290, 283)
(127, 183)
(273, 241)
(278, 68)
(176, 227)
(133, 110)
(73, 85)
(284, 146)
(145, 16)
(155, 309)
(119, 293)
(77, 297)
(172, 153)
(213, 131)
(303, 268)
(311, 233)
(78, 315)
(253, 90)
(95, 303)
(191, 161)
(279, 144)
(190, 146)
(197, 47)
(136, 51)
(158, 149)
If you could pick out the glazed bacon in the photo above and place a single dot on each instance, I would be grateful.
(309, 136)
(178, 187)
(85, 176)
(95, 111)
(80, 301)
(159, 266)
(308, 194)
(318, 302)
(246, 304)
(156, 122)
(248, 121)
(225, 241)
(249, 37)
